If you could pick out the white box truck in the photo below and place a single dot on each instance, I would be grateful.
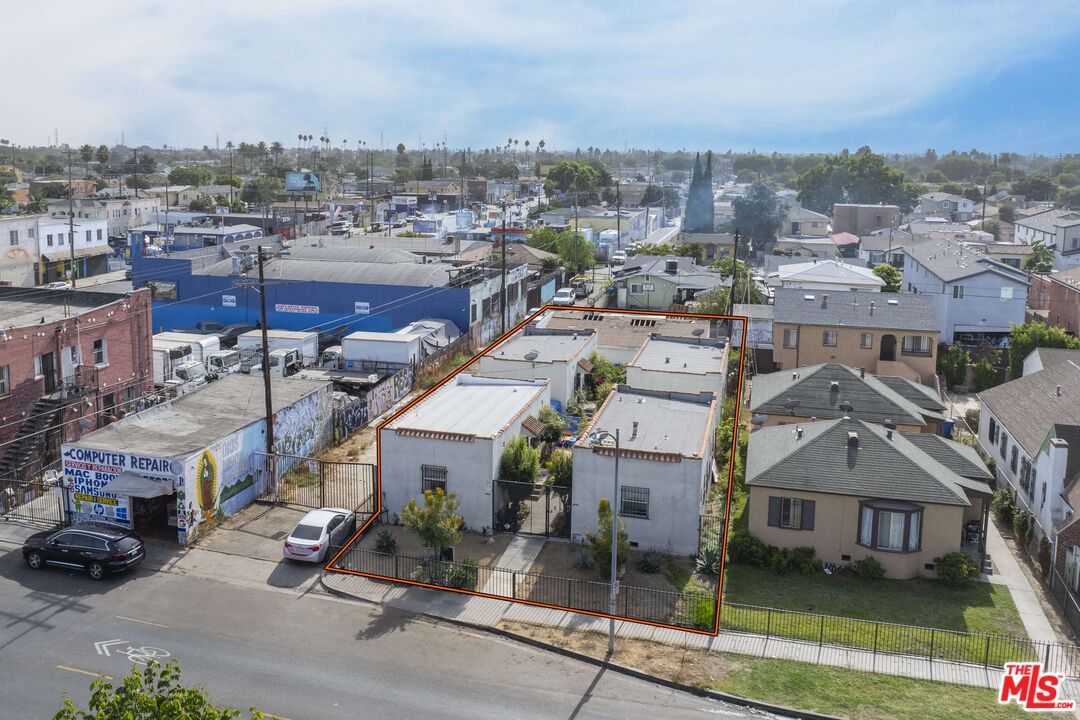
(381, 347)
(223, 362)
(201, 345)
(306, 343)
(168, 355)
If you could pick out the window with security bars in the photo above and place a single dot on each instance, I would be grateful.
(432, 477)
(635, 502)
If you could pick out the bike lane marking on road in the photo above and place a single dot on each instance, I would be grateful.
(143, 622)
(100, 676)
(138, 655)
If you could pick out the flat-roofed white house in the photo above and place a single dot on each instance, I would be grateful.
(679, 364)
(559, 356)
(665, 466)
(453, 440)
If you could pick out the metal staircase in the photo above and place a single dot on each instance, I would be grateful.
(25, 455)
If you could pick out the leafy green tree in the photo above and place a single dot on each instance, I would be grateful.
(952, 188)
(154, 693)
(1006, 213)
(554, 425)
(262, 190)
(561, 468)
(952, 362)
(1025, 338)
(935, 176)
(436, 522)
(227, 179)
(1069, 198)
(1035, 187)
(193, 175)
(572, 176)
(860, 178)
(890, 275)
(1041, 259)
(519, 462)
(957, 167)
(137, 182)
(86, 154)
(38, 204)
(54, 191)
(666, 196)
(759, 214)
(1067, 180)
(600, 541)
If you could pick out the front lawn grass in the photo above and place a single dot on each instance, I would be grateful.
(900, 616)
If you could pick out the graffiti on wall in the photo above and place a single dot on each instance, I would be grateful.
(383, 396)
(350, 418)
(305, 426)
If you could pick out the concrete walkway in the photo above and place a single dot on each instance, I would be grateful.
(488, 612)
(1007, 572)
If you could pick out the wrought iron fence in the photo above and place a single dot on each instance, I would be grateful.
(680, 609)
(935, 644)
(1065, 599)
(37, 500)
(311, 482)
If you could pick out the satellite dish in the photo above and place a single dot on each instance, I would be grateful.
(531, 355)
(846, 406)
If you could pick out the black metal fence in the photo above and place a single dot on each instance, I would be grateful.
(680, 609)
(1065, 599)
(311, 482)
(895, 639)
(531, 508)
(38, 500)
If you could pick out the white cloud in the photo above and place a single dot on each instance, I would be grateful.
(481, 71)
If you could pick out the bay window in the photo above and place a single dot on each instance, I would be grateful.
(890, 526)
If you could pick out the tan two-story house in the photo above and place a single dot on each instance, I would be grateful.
(885, 333)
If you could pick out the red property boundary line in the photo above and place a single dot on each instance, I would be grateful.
(731, 474)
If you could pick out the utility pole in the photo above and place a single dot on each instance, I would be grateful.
(136, 173)
(505, 312)
(734, 271)
(71, 220)
(266, 358)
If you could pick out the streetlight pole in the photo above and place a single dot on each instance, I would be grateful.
(595, 437)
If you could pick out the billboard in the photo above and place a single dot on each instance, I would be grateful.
(302, 182)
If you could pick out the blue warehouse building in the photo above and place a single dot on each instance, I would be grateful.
(327, 289)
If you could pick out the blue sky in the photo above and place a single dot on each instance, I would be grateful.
(812, 75)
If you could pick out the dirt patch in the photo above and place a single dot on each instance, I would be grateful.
(485, 550)
(560, 559)
(689, 666)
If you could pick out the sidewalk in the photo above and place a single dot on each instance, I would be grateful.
(1007, 572)
(488, 612)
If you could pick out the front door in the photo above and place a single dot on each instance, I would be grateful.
(48, 369)
(888, 348)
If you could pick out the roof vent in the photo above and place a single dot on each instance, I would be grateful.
(1058, 391)
(798, 432)
(671, 266)
(862, 373)
(808, 298)
(894, 302)
(667, 360)
(794, 376)
(834, 386)
(846, 406)
(852, 439)
(633, 434)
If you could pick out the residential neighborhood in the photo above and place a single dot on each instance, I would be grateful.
(564, 361)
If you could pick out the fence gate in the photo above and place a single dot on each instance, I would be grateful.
(35, 501)
(532, 509)
(314, 483)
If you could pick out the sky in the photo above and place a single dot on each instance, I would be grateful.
(787, 75)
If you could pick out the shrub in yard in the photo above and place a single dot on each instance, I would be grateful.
(985, 376)
(385, 542)
(868, 568)
(955, 568)
(1003, 507)
(804, 562)
(462, 575)
(651, 561)
(561, 468)
(519, 462)
(778, 560)
(1023, 526)
(582, 557)
(554, 425)
(600, 541)
(701, 613)
(708, 559)
(746, 549)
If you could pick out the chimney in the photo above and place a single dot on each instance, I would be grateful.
(862, 373)
(798, 432)
(871, 308)
(633, 434)
(824, 301)
(1058, 390)
(890, 426)
(852, 439)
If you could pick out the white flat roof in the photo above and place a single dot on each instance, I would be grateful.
(549, 348)
(296, 334)
(666, 422)
(669, 355)
(384, 336)
(477, 406)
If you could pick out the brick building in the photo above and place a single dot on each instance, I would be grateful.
(864, 219)
(1055, 299)
(67, 359)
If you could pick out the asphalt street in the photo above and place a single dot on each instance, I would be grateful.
(293, 655)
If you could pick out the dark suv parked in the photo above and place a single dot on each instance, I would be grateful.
(97, 549)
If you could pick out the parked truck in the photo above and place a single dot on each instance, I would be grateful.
(201, 345)
(222, 362)
(168, 355)
(380, 348)
(283, 362)
(306, 343)
(187, 376)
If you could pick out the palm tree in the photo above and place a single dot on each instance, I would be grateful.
(540, 150)
(262, 149)
(276, 149)
(102, 157)
(86, 153)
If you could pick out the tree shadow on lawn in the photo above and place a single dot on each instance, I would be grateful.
(979, 607)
